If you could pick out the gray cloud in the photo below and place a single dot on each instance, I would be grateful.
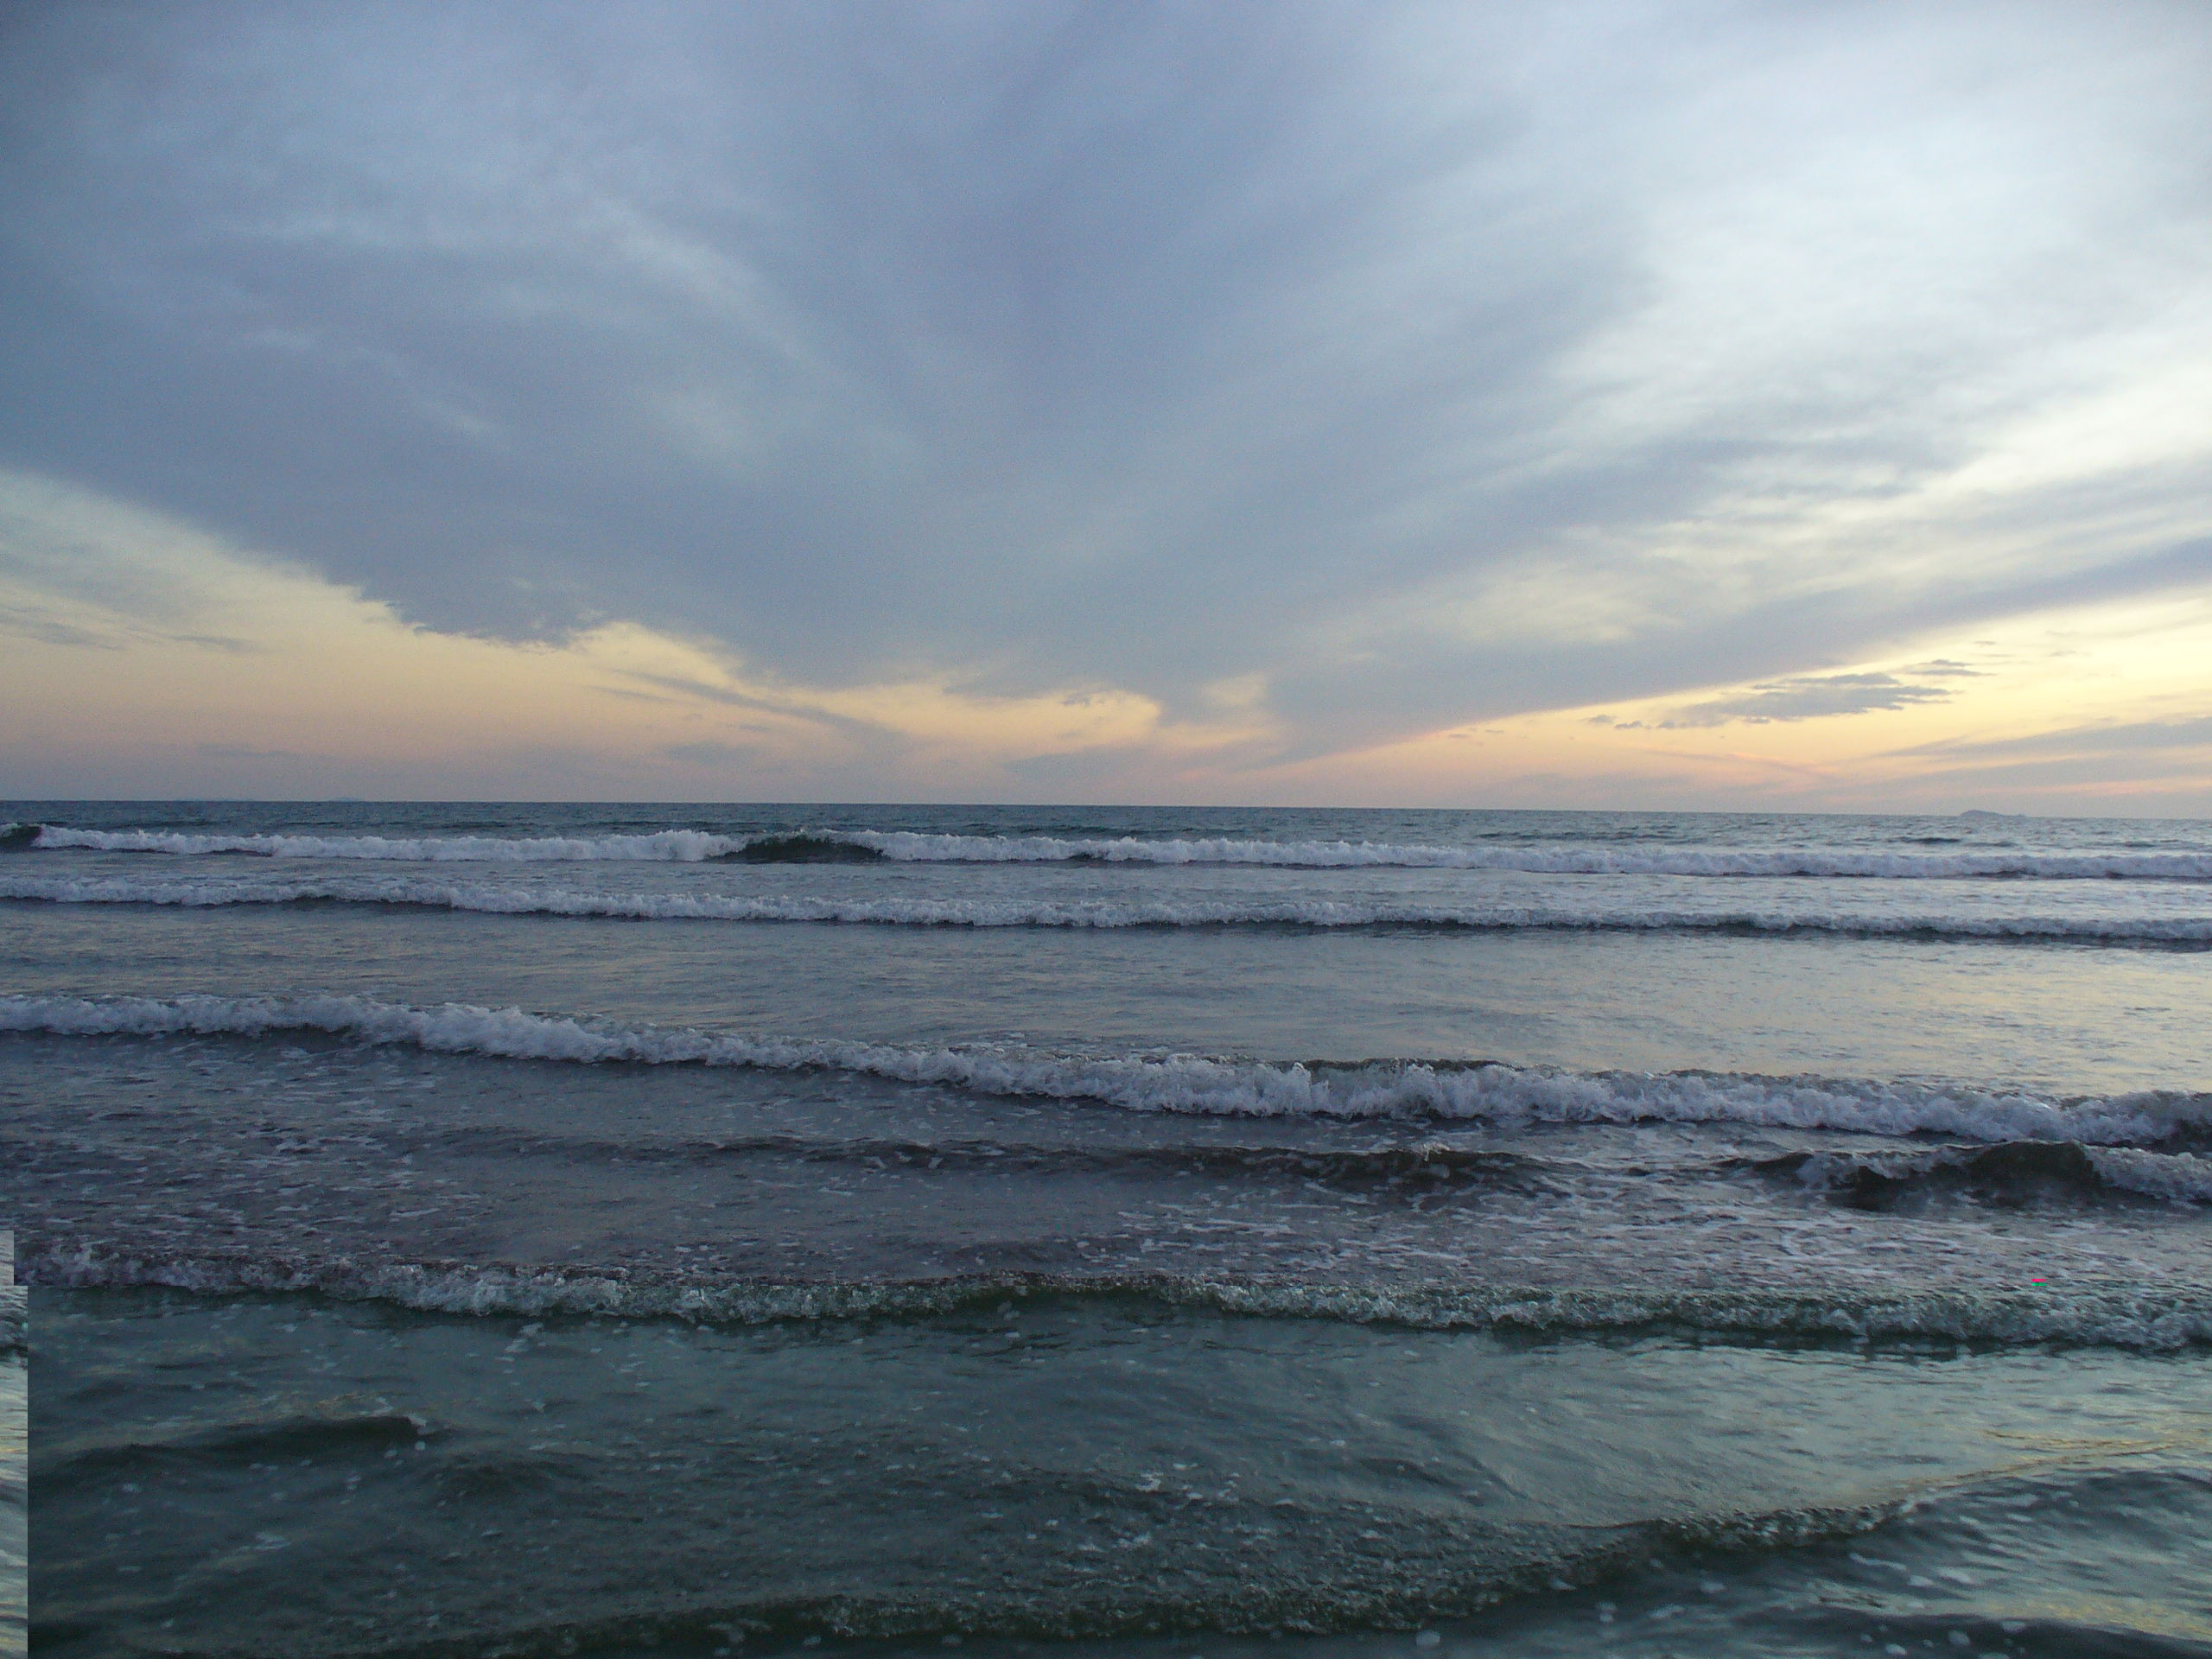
(1813, 697)
(27, 622)
(1037, 345)
(2131, 737)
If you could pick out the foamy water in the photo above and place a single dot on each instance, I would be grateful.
(693, 847)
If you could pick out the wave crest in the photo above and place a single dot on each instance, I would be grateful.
(679, 846)
(2007, 1174)
(502, 900)
(697, 846)
(2108, 1316)
(1180, 1083)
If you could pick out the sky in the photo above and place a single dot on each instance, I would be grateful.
(1803, 404)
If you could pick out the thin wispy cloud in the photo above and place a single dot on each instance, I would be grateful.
(2131, 737)
(1813, 697)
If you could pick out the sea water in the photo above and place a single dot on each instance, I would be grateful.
(14, 1457)
(572, 1228)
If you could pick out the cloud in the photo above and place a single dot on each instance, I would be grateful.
(1942, 668)
(34, 622)
(243, 752)
(2080, 780)
(1817, 696)
(1417, 363)
(711, 753)
(683, 687)
(2129, 737)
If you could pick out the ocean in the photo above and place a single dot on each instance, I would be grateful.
(14, 1453)
(1151, 1233)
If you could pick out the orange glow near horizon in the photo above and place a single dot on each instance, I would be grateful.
(162, 662)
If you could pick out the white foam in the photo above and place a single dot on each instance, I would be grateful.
(692, 846)
(677, 846)
(510, 901)
(2106, 1315)
(2177, 1177)
(1563, 859)
(1180, 1083)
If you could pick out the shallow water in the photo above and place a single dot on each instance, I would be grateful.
(1053, 1467)
(15, 1451)
(1690, 1256)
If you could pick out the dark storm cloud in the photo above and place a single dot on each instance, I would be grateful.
(1041, 346)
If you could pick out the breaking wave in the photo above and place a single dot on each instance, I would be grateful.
(697, 846)
(677, 846)
(502, 900)
(2013, 1173)
(1175, 1083)
(2005, 1173)
(2107, 1316)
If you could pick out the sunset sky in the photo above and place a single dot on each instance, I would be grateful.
(1793, 406)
